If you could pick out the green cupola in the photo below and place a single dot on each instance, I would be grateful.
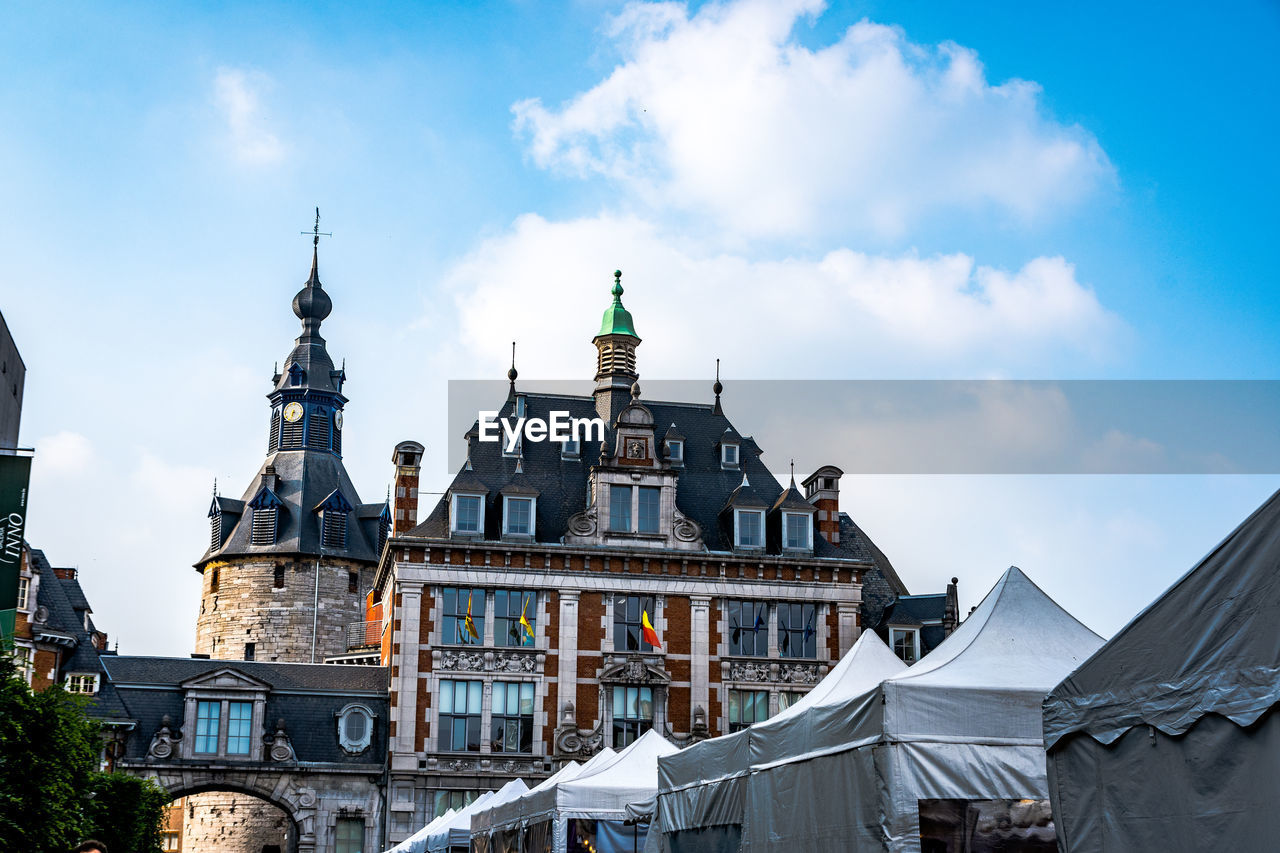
(617, 320)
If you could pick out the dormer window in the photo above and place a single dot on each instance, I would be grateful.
(215, 530)
(265, 521)
(748, 525)
(518, 516)
(675, 451)
(335, 529)
(518, 449)
(84, 684)
(905, 643)
(728, 456)
(797, 531)
(468, 514)
(296, 375)
(571, 448)
(355, 728)
(635, 509)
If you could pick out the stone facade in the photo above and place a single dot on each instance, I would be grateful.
(224, 821)
(270, 602)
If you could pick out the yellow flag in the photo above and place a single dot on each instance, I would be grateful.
(524, 621)
(470, 624)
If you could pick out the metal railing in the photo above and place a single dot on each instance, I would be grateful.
(361, 635)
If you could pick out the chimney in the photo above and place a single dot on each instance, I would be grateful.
(404, 507)
(822, 489)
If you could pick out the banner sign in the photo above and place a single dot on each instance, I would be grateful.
(15, 474)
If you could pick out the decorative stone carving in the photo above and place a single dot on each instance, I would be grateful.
(774, 673)
(164, 741)
(583, 523)
(744, 671)
(504, 660)
(455, 659)
(798, 673)
(281, 746)
(306, 797)
(686, 529)
(575, 743)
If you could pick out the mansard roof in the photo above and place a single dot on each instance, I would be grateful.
(307, 479)
(703, 487)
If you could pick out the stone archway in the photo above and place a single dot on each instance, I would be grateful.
(282, 790)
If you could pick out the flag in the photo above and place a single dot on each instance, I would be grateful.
(470, 624)
(524, 622)
(759, 619)
(808, 628)
(650, 635)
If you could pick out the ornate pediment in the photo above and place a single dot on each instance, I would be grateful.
(633, 670)
(226, 678)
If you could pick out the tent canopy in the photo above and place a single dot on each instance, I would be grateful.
(417, 842)
(606, 791)
(456, 831)
(513, 812)
(1208, 645)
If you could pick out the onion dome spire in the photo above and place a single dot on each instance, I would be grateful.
(617, 320)
(512, 374)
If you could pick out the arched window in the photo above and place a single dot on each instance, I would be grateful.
(355, 728)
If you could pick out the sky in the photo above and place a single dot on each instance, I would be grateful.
(858, 190)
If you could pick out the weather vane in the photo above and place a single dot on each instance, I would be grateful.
(315, 232)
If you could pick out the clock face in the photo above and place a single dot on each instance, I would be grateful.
(337, 419)
(293, 412)
(635, 448)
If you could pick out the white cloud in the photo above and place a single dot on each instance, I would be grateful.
(842, 315)
(725, 113)
(64, 453)
(237, 95)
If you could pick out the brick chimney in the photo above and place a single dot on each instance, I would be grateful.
(404, 508)
(822, 489)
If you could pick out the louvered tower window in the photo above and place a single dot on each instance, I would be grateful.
(273, 440)
(215, 530)
(318, 433)
(384, 527)
(337, 440)
(335, 529)
(291, 434)
(265, 521)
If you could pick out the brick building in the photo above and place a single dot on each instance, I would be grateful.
(517, 611)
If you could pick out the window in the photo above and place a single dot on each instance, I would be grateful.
(22, 660)
(797, 528)
(273, 440)
(750, 528)
(24, 591)
(457, 604)
(355, 728)
(348, 835)
(239, 727)
(648, 503)
(787, 698)
(512, 726)
(748, 628)
(335, 529)
(353, 581)
(518, 449)
(250, 651)
(729, 455)
(632, 714)
(278, 580)
(797, 634)
(207, 716)
(455, 800)
(264, 526)
(620, 509)
(460, 715)
(747, 707)
(628, 622)
(518, 517)
(468, 514)
(169, 841)
(905, 643)
(570, 447)
(675, 451)
(86, 684)
(509, 606)
(213, 581)
(215, 530)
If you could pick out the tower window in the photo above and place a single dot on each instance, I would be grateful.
(264, 526)
(213, 581)
(273, 440)
(278, 580)
(334, 526)
(353, 581)
(318, 431)
(215, 531)
(250, 651)
(291, 434)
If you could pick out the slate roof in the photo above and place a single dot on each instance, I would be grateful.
(306, 696)
(306, 478)
(703, 491)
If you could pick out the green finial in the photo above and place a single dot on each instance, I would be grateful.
(617, 320)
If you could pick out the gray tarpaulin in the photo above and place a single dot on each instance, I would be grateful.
(964, 724)
(705, 785)
(1166, 738)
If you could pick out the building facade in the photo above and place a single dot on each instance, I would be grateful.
(566, 596)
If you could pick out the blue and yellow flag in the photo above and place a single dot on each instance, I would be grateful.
(470, 624)
(524, 621)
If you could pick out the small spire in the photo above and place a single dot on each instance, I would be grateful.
(519, 464)
(717, 388)
(617, 286)
(745, 481)
(316, 234)
(635, 390)
(513, 373)
(793, 473)
(215, 487)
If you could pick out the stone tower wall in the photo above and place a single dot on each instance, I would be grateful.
(217, 822)
(248, 607)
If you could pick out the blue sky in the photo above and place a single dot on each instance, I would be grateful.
(866, 190)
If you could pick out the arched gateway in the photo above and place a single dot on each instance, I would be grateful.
(310, 739)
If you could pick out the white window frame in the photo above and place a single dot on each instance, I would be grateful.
(915, 641)
(678, 455)
(571, 448)
(355, 747)
(737, 528)
(518, 450)
(24, 592)
(79, 681)
(633, 511)
(725, 462)
(453, 514)
(808, 531)
(506, 515)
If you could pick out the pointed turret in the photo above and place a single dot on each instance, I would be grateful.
(616, 345)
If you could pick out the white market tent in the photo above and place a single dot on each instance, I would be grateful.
(702, 789)
(499, 829)
(1168, 738)
(417, 842)
(961, 727)
(455, 833)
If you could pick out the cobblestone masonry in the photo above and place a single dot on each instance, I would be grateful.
(223, 821)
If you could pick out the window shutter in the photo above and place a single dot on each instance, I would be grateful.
(264, 525)
(318, 434)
